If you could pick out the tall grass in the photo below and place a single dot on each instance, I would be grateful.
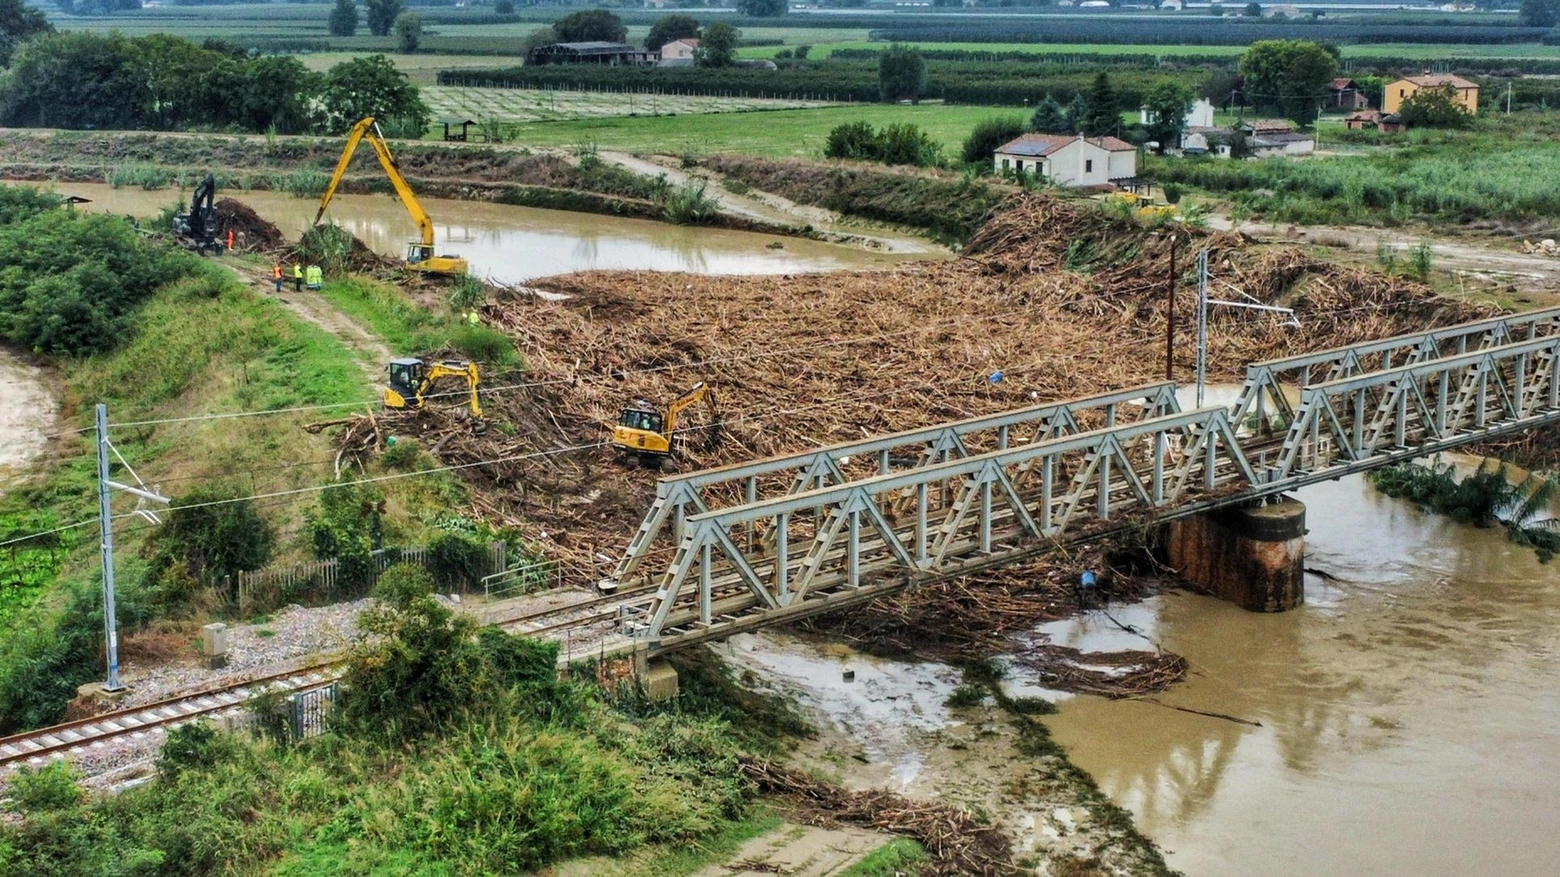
(688, 205)
(302, 183)
(1498, 172)
(144, 175)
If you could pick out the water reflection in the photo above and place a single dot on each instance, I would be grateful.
(1408, 711)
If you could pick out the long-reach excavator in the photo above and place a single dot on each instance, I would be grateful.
(411, 379)
(419, 254)
(198, 228)
(648, 433)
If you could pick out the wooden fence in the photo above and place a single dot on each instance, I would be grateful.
(320, 581)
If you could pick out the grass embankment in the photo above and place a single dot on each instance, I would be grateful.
(1492, 173)
(950, 207)
(185, 340)
(453, 750)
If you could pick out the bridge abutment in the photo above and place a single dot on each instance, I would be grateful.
(1252, 556)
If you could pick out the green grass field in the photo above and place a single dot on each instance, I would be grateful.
(777, 133)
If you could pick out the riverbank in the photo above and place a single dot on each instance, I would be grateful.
(578, 180)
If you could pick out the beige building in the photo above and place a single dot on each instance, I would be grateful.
(1466, 93)
(1068, 160)
(678, 50)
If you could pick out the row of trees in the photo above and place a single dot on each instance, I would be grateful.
(88, 80)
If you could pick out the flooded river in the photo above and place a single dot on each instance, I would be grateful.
(515, 244)
(1409, 713)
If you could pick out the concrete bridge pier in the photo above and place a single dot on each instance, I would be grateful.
(1252, 556)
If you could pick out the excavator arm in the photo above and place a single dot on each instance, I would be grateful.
(420, 257)
(354, 137)
(700, 392)
(467, 371)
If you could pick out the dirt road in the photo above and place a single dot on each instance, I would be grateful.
(31, 414)
(1484, 264)
(371, 352)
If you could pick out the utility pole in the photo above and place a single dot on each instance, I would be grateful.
(106, 521)
(1170, 318)
(1508, 97)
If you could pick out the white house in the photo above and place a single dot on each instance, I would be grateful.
(1199, 116)
(1068, 160)
(679, 49)
(1276, 137)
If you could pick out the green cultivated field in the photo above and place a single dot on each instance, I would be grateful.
(779, 133)
(1409, 51)
(536, 105)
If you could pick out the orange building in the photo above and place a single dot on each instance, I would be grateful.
(1466, 93)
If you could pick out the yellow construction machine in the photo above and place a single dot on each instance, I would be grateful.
(646, 432)
(411, 379)
(419, 254)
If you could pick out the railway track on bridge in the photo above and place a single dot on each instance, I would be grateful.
(148, 723)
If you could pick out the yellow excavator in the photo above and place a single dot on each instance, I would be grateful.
(411, 379)
(419, 254)
(646, 432)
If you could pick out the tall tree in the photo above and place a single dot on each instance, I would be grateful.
(1167, 105)
(1540, 13)
(762, 8)
(1290, 76)
(1049, 118)
(901, 74)
(19, 23)
(1102, 113)
(408, 32)
(344, 19)
(382, 14)
(672, 27)
(718, 45)
(1435, 108)
(371, 86)
(1077, 111)
(590, 25)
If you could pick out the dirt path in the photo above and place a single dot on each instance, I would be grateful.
(766, 207)
(799, 851)
(31, 414)
(1480, 262)
(372, 353)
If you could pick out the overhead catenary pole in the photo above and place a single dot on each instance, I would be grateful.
(106, 519)
(1170, 316)
(1202, 323)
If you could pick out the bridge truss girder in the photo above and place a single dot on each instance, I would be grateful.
(802, 553)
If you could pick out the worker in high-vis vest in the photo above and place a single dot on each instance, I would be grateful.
(276, 275)
(314, 278)
(297, 277)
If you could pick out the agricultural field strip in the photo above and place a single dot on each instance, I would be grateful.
(547, 105)
(57, 740)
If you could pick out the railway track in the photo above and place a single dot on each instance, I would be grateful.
(139, 723)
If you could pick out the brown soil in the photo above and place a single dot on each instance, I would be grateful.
(251, 232)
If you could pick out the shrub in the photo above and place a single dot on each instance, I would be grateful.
(904, 143)
(854, 140)
(456, 559)
(212, 534)
(688, 205)
(987, 136)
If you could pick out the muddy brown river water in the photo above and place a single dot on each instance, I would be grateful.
(1409, 712)
(514, 244)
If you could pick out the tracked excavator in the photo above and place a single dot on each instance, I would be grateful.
(419, 254)
(647, 433)
(197, 229)
(412, 379)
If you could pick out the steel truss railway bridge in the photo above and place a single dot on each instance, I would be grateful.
(744, 546)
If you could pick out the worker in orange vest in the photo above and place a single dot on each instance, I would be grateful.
(276, 274)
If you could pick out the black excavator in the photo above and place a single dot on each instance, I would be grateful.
(198, 229)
